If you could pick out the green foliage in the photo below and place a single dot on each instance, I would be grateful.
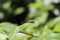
(40, 29)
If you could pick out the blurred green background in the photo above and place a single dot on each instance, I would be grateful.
(29, 19)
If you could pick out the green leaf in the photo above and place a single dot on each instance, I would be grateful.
(51, 23)
(6, 5)
(52, 36)
(19, 11)
(57, 28)
(21, 27)
(23, 37)
(3, 36)
(1, 29)
(8, 27)
(13, 34)
(30, 30)
(41, 19)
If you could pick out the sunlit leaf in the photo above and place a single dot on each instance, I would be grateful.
(3, 36)
(57, 28)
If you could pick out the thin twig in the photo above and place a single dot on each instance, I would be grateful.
(28, 34)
